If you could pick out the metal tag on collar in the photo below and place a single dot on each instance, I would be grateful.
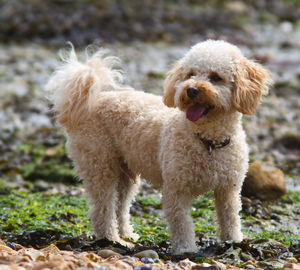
(210, 148)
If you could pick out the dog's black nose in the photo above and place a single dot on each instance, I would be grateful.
(192, 92)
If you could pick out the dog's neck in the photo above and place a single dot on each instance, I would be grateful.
(216, 129)
(212, 145)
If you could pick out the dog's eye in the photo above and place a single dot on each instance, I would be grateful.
(190, 74)
(214, 77)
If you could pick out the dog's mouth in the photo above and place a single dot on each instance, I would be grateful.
(197, 111)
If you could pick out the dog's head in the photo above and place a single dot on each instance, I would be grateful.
(214, 77)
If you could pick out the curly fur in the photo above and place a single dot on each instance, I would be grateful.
(116, 134)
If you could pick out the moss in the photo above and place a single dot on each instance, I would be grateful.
(150, 202)
(284, 237)
(152, 229)
(292, 197)
(21, 211)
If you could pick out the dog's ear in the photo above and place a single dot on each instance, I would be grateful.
(251, 82)
(169, 85)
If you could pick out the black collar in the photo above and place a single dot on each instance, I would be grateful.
(211, 145)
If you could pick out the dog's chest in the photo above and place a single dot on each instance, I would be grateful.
(222, 166)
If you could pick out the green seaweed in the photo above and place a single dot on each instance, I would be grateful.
(20, 211)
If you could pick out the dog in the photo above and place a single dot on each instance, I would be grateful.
(186, 143)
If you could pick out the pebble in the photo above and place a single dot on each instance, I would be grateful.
(106, 253)
(128, 259)
(291, 259)
(186, 263)
(11, 245)
(143, 267)
(291, 266)
(249, 266)
(147, 254)
(147, 260)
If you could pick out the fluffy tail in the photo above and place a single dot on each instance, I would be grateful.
(74, 87)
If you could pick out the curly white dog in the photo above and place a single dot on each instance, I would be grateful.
(186, 143)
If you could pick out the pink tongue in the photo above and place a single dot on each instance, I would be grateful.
(195, 112)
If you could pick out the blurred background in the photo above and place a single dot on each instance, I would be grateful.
(148, 35)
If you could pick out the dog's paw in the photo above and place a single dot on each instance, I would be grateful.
(233, 236)
(237, 237)
(126, 243)
(127, 233)
(131, 236)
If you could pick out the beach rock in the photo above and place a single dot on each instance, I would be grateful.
(147, 254)
(264, 182)
(106, 253)
(291, 266)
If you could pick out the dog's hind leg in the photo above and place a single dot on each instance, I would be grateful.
(228, 205)
(98, 166)
(102, 191)
(127, 187)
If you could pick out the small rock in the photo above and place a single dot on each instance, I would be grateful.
(41, 186)
(11, 245)
(221, 266)
(32, 253)
(52, 249)
(92, 257)
(106, 253)
(147, 254)
(147, 260)
(264, 182)
(291, 259)
(128, 259)
(249, 265)
(291, 266)
(275, 217)
(6, 248)
(245, 257)
(186, 263)
(122, 265)
(143, 267)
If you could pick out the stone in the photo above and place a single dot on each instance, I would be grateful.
(51, 249)
(186, 263)
(32, 253)
(129, 260)
(221, 266)
(106, 253)
(291, 266)
(4, 247)
(264, 182)
(122, 265)
(147, 254)
(147, 260)
(93, 257)
(201, 266)
(291, 259)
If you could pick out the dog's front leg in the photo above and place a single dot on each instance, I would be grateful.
(228, 205)
(176, 205)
